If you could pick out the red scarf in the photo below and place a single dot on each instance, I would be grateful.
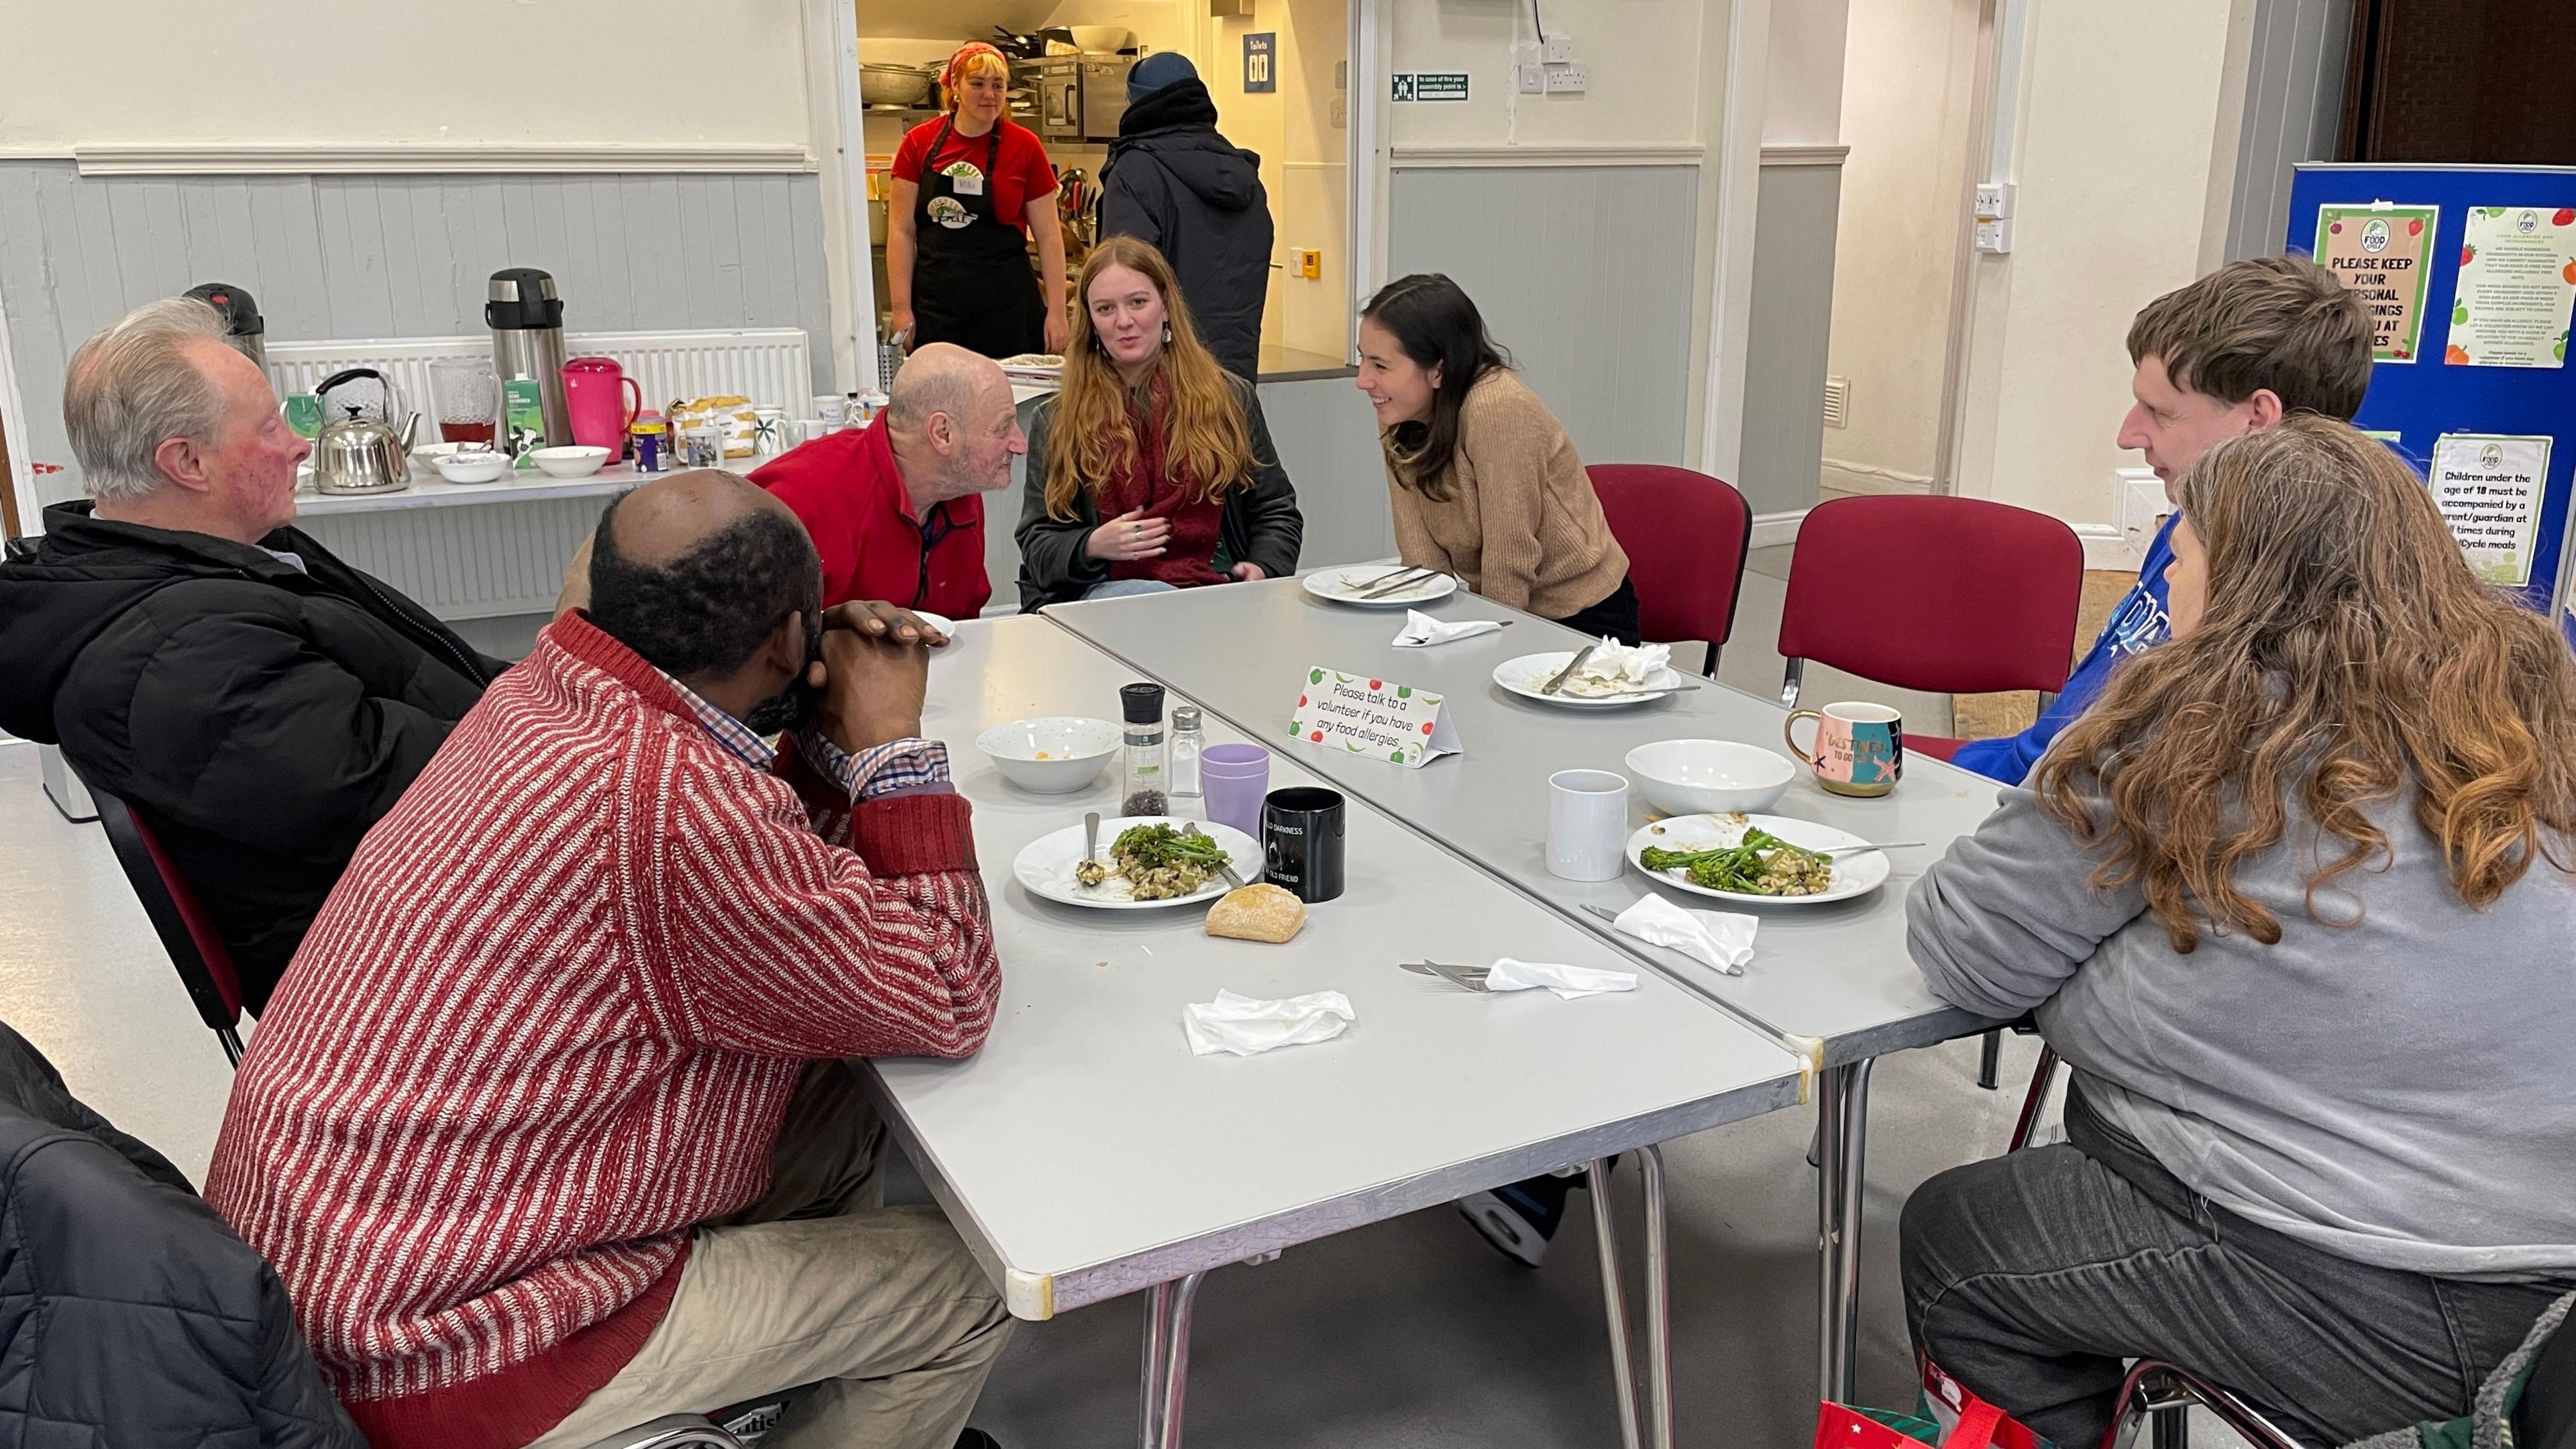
(1189, 560)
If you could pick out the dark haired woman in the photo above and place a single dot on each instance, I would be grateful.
(2294, 899)
(1151, 468)
(1486, 485)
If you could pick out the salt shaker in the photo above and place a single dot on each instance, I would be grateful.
(1145, 756)
(1187, 740)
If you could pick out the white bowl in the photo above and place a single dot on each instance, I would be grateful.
(1054, 756)
(1102, 39)
(1710, 777)
(483, 465)
(570, 462)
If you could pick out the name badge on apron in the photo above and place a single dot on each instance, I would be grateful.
(964, 179)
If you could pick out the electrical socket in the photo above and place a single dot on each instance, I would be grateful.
(1559, 50)
(1533, 79)
(1567, 79)
(1994, 200)
(1995, 235)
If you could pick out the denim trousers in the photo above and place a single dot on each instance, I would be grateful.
(2029, 1278)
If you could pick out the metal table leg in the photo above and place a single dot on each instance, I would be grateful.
(1614, 1303)
(1842, 1105)
(1166, 1369)
(1659, 1303)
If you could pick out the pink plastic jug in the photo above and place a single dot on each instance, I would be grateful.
(596, 395)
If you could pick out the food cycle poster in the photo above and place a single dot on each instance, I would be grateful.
(2517, 284)
(2378, 250)
(2488, 486)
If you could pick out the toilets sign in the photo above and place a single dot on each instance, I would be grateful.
(1431, 85)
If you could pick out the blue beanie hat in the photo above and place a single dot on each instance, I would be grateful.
(1162, 68)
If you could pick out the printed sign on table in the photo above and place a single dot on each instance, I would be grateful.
(1375, 717)
(2378, 251)
(2517, 284)
(2488, 486)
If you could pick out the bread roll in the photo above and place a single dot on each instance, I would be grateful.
(1257, 913)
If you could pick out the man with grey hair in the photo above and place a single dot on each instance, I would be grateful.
(896, 508)
(257, 702)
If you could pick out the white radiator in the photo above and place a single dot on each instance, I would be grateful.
(767, 365)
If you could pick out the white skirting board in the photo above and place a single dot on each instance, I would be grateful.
(1770, 530)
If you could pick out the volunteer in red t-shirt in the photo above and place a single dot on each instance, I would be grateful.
(970, 190)
(894, 508)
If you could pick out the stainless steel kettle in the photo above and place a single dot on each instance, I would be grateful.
(360, 454)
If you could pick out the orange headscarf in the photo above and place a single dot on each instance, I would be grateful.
(956, 70)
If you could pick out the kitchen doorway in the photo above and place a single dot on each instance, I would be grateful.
(1281, 73)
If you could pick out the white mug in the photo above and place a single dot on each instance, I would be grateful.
(1587, 824)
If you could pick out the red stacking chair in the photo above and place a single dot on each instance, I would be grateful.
(1686, 536)
(1943, 595)
(205, 966)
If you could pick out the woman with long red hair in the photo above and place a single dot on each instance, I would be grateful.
(2294, 900)
(1151, 468)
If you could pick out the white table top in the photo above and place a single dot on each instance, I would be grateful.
(1085, 1153)
(1835, 979)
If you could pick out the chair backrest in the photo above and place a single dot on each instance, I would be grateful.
(187, 933)
(1686, 535)
(1946, 595)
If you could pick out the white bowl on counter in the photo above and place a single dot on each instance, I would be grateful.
(1102, 39)
(575, 462)
(1058, 755)
(1710, 777)
(480, 465)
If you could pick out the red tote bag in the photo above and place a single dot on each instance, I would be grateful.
(1974, 1423)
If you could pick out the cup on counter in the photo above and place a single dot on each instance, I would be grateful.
(1587, 824)
(1859, 749)
(701, 447)
(1235, 779)
(768, 431)
(303, 414)
(831, 407)
(1301, 841)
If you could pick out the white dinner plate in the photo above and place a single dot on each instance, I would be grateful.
(1524, 675)
(1856, 874)
(940, 622)
(1046, 866)
(1343, 586)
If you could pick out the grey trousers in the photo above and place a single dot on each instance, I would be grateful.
(2029, 1278)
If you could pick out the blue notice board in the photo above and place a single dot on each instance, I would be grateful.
(2422, 400)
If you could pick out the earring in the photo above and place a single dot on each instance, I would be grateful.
(1167, 332)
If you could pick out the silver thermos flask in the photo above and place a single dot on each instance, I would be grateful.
(242, 324)
(527, 341)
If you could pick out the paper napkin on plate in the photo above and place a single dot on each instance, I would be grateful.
(1568, 982)
(1721, 940)
(1243, 1026)
(1422, 631)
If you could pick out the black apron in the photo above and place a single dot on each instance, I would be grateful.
(971, 279)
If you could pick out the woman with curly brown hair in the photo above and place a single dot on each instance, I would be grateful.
(2294, 900)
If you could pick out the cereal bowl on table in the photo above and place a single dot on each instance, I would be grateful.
(576, 462)
(471, 465)
(1710, 777)
(1053, 756)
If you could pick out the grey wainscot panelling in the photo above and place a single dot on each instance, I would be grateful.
(2294, 78)
(1583, 273)
(397, 256)
(1793, 309)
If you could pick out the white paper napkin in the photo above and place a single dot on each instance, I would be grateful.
(1722, 940)
(1568, 982)
(1615, 663)
(1421, 631)
(1243, 1026)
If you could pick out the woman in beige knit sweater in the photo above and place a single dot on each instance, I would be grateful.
(1485, 483)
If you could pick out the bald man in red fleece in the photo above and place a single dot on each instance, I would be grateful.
(895, 508)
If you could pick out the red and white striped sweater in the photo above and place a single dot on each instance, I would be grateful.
(550, 1019)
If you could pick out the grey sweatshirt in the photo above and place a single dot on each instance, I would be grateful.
(2401, 1092)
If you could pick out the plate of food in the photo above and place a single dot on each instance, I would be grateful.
(1611, 675)
(1348, 586)
(1766, 859)
(1145, 862)
(1033, 366)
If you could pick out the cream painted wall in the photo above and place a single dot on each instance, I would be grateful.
(388, 72)
(2120, 128)
(1803, 105)
(1302, 159)
(1906, 101)
(1642, 57)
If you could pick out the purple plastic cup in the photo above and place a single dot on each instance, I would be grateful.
(1235, 777)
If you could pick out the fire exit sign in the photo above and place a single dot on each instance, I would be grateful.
(1431, 85)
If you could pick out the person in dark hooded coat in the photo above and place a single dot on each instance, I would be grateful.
(1173, 181)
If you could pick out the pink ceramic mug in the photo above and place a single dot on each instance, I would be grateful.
(1859, 749)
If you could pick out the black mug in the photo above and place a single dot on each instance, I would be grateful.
(1301, 842)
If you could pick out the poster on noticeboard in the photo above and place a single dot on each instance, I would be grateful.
(2379, 250)
(2517, 284)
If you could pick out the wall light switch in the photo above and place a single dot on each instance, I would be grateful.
(1533, 79)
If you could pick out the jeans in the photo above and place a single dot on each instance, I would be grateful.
(2030, 1277)
(1126, 588)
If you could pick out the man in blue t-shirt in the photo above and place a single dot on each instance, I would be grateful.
(2232, 353)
